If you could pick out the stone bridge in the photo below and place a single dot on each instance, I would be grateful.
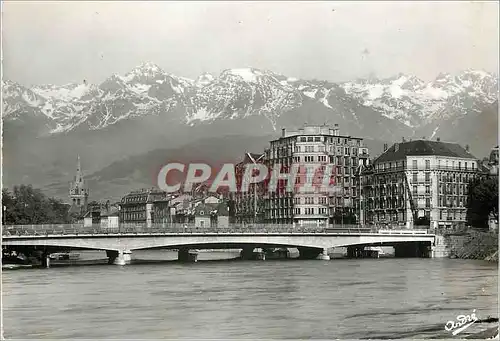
(119, 243)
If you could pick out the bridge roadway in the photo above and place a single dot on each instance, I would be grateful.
(312, 242)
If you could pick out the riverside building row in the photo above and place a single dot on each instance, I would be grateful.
(413, 182)
(410, 181)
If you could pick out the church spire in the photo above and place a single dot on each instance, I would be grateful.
(78, 176)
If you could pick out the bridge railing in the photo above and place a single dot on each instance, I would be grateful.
(80, 229)
(75, 229)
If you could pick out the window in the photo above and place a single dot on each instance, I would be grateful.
(414, 164)
(427, 177)
(427, 189)
(310, 139)
(415, 177)
(414, 189)
(427, 164)
(427, 203)
(317, 139)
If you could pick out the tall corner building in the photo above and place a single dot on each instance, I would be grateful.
(417, 179)
(316, 146)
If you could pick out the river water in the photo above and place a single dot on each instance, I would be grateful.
(341, 298)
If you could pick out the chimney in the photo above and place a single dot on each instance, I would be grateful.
(336, 129)
(385, 147)
(467, 148)
(403, 139)
(438, 139)
(283, 131)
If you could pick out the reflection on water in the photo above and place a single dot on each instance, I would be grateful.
(370, 298)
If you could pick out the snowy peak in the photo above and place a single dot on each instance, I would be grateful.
(204, 79)
(66, 92)
(17, 99)
(412, 101)
(248, 75)
(145, 72)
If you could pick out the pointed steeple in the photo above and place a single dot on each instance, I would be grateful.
(78, 191)
(78, 177)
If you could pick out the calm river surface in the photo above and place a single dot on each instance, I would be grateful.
(363, 298)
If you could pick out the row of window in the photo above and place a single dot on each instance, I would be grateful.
(446, 164)
(335, 160)
(142, 198)
(338, 140)
(133, 216)
(323, 149)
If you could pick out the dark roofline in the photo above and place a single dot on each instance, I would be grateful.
(423, 148)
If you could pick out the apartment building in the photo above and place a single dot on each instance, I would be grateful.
(146, 206)
(417, 179)
(315, 147)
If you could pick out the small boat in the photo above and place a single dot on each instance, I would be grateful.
(15, 266)
(64, 256)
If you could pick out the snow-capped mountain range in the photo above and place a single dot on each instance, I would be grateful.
(240, 93)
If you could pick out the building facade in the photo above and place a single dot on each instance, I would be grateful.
(248, 205)
(146, 206)
(315, 147)
(418, 181)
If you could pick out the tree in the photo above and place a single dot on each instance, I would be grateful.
(26, 205)
(482, 200)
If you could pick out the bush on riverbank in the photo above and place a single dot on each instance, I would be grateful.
(474, 245)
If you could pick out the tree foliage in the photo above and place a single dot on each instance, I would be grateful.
(26, 205)
(482, 200)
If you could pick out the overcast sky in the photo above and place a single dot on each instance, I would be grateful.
(61, 42)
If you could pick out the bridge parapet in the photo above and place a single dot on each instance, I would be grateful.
(80, 229)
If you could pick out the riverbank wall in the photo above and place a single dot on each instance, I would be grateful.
(469, 245)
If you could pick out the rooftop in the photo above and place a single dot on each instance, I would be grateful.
(314, 129)
(399, 151)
